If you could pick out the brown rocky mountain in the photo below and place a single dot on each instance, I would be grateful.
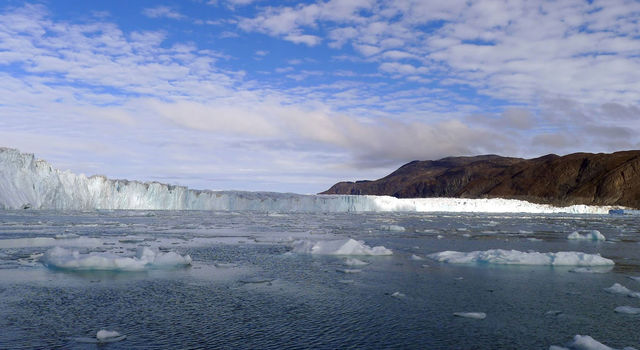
(579, 178)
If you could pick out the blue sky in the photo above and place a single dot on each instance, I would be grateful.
(295, 96)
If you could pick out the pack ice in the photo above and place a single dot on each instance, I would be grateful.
(26, 182)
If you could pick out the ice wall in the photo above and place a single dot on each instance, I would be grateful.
(29, 182)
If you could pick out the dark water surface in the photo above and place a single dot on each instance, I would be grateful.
(246, 290)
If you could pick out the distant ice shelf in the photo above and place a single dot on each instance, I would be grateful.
(27, 182)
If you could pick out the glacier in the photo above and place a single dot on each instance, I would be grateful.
(27, 182)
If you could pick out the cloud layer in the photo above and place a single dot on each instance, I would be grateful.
(329, 90)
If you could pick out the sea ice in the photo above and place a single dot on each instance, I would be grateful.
(475, 315)
(514, 257)
(145, 258)
(617, 288)
(592, 235)
(627, 310)
(398, 295)
(338, 247)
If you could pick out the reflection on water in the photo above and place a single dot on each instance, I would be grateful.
(247, 290)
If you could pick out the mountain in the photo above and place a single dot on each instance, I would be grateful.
(579, 178)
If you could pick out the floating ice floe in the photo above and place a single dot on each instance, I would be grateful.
(338, 247)
(398, 295)
(474, 315)
(592, 235)
(585, 342)
(145, 259)
(515, 257)
(627, 310)
(617, 288)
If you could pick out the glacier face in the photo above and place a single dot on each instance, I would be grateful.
(27, 182)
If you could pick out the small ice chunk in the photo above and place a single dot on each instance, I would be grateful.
(592, 235)
(627, 310)
(585, 342)
(474, 315)
(617, 288)
(515, 257)
(349, 270)
(394, 228)
(398, 295)
(106, 336)
(355, 262)
(338, 247)
(416, 257)
(556, 347)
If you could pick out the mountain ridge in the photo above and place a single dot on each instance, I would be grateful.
(577, 178)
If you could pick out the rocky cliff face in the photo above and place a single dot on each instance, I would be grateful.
(579, 178)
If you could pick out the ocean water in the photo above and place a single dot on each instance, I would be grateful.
(247, 288)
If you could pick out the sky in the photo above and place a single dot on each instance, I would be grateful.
(294, 96)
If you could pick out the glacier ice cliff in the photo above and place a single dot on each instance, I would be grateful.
(27, 182)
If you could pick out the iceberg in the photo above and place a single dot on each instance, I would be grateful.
(146, 258)
(592, 235)
(338, 247)
(27, 182)
(515, 257)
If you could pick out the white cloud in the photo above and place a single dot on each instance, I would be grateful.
(162, 12)
(518, 50)
(309, 40)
